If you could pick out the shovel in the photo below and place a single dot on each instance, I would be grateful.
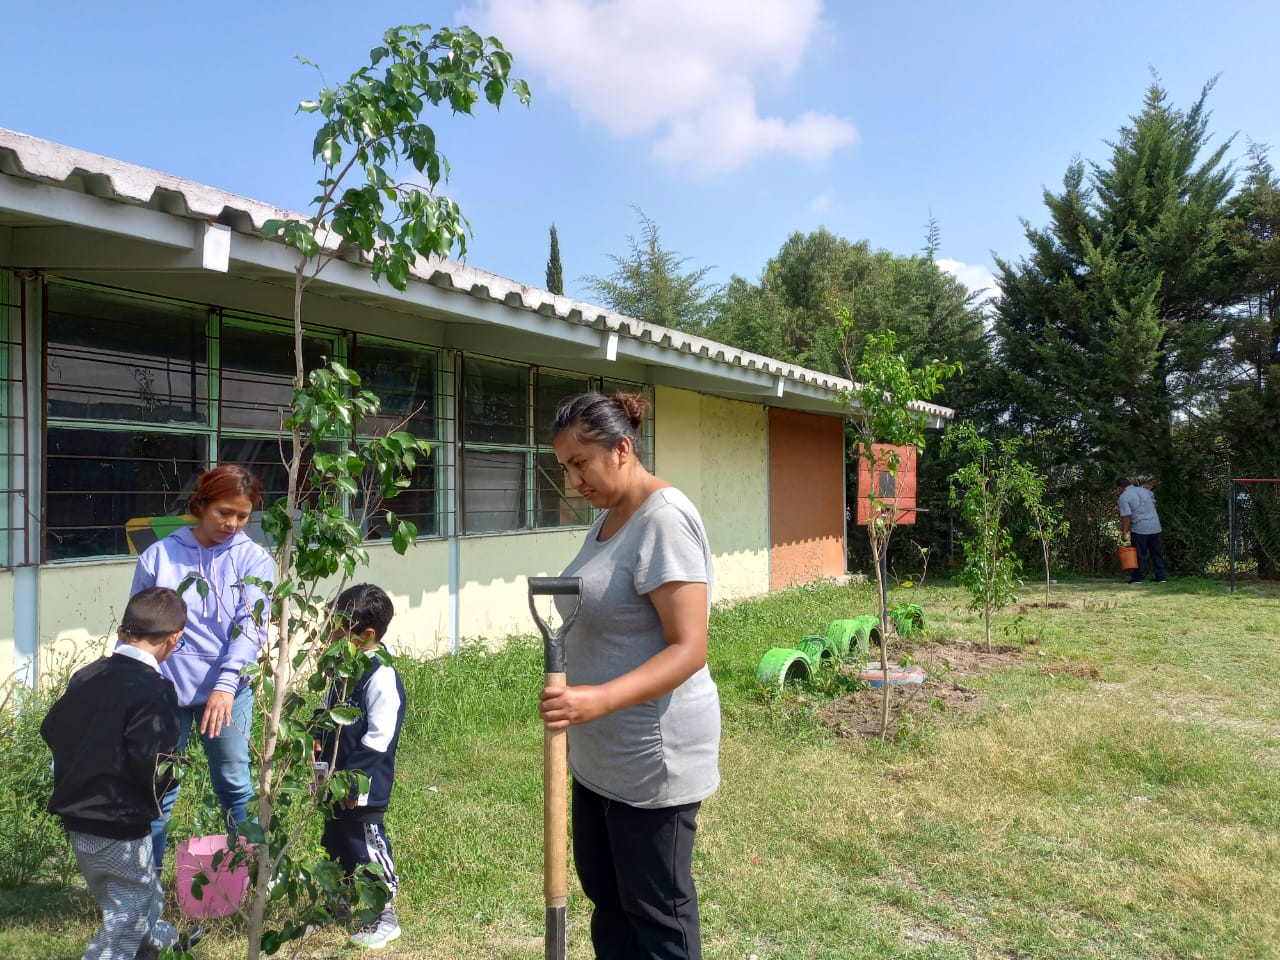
(555, 769)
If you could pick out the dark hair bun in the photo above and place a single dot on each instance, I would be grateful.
(633, 405)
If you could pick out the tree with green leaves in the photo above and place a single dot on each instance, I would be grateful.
(370, 127)
(1045, 518)
(555, 272)
(884, 404)
(1114, 329)
(1250, 406)
(794, 311)
(651, 284)
(985, 489)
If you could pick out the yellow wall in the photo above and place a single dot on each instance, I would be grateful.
(494, 595)
(715, 450)
(79, 606)
(418, 585)
(6, 624)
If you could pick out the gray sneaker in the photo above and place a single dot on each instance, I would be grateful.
(377, 935)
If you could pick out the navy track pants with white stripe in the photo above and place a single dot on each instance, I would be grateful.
(354, 842)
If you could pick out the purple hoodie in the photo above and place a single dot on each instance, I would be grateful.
(211, 658)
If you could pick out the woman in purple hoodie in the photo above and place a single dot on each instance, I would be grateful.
(222, 635)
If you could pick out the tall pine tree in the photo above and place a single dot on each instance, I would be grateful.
(555, 272)
(1251, 409)
(1114, 331)
(651, 284)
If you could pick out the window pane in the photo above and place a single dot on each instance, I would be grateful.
(493, 491)
(112, 357)
(13, 502)
(550, 390)
(109, 492)
(559, 505)
(258, 372)
(496, 402)
(263, 457)
(416, 504)
(404, 379)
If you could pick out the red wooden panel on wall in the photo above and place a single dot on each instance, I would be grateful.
(895, 483)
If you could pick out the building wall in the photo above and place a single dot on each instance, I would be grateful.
(79, 606)
(494, 593)
(7, 605)
(806, 498)
(715, 450)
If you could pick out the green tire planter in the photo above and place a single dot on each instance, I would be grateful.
(783, 665)
(856, 635)
(909, 623)
(817, 649)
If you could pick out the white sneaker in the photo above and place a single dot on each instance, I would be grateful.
(377, 935)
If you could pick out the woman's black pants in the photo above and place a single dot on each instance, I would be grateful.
(635, 865)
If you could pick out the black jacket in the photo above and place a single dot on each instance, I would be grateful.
(107, 731)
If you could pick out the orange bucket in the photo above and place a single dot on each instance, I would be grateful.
(1128, 558)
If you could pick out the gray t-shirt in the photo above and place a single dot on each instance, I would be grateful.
(1139, 505)
(664, 752)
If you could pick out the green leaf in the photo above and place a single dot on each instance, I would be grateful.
(493, 91)
(343, 716)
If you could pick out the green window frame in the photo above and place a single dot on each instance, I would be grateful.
(13, 440)
(144, 393)
(509, 477)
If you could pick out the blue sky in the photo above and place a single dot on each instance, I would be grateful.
(731, 123)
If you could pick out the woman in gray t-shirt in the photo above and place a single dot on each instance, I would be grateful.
(641, 709)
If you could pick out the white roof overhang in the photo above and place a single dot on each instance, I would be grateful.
(78, 214)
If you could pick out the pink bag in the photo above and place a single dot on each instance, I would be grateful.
(227, 885)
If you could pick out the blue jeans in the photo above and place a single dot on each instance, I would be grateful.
(228, 756)
(1152, 543)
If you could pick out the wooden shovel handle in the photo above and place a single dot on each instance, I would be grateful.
(555, 810)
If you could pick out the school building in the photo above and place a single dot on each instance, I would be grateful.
(146, 334)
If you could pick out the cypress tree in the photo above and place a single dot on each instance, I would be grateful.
(1114, 331)
(1116, 323)
(555, 273)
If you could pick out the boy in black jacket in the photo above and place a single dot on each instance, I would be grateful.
(110, 733)
(354, 832)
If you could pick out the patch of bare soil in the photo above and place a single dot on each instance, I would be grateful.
(1033, 605)
(949, 664)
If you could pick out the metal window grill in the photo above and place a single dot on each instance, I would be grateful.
(144, 392)
(508, 474)
(15, 521)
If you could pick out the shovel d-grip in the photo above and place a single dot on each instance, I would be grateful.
(555, 768)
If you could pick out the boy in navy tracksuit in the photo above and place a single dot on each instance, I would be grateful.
(354, 832)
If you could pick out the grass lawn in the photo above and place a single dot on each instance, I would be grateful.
(1109, 789)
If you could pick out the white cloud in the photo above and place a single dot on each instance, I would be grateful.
(975, 276)
(821, 203)
(683, 72)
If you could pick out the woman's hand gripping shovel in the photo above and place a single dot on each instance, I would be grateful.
(555, 768)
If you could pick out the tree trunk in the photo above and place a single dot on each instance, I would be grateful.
(880, 559)
(283, 660)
